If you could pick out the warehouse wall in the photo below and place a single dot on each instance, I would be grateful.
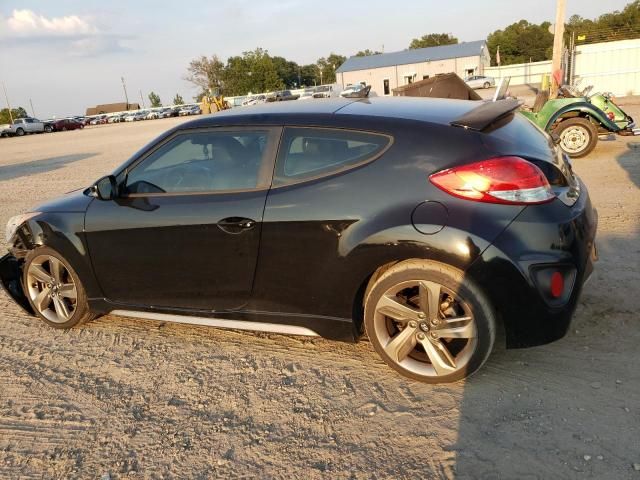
(397, 75)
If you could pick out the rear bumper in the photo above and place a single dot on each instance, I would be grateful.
(550, 236)
(11, 281)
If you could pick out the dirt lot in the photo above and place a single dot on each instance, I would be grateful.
(123, 398)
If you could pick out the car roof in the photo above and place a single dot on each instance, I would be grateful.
(432, 110)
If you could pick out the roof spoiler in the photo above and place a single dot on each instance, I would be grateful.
(486, 113)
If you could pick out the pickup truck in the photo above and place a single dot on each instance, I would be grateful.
(26, 125)
(282, 96)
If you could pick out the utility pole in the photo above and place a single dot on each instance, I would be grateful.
(142, 98)
(556, 62)
(7, 99)
(33, 112)
(124, 86)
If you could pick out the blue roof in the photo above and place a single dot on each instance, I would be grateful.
(418, 55)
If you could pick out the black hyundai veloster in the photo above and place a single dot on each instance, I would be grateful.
(426, 223)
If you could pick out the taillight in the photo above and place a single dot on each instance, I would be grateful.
(508, 180)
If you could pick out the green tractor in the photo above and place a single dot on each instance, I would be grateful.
(576, 118)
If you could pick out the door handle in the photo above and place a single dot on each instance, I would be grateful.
(236, 224)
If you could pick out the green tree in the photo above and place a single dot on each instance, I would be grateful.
(287, 71)
(154, 99)
(521, 42)
(178, 100)
(433, 40)
(309, 75)
(16, 112)
(254, 71)
(617, 25)
(206, 73)
(327, 66)
(366, 53)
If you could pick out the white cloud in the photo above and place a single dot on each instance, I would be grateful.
(28, 23)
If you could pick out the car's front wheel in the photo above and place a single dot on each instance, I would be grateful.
(429, 322)
(487, 85)
(54, 289)
(48, 128)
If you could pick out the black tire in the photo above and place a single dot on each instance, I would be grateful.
(20, 132)
(82, 314)
(487, 85)
(452, 279)
(48, 128)
(586, 126)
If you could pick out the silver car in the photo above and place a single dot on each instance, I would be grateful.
(480, 81)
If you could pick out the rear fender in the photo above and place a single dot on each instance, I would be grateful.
(583, 109)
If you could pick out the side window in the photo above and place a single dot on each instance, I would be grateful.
(307, 153)
(28, 120)
(201, 162)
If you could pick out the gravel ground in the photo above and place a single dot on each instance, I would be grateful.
(124, 398)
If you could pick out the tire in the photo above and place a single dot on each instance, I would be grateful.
(80, 310)
(64, 129)
(578, 136)
(48, 128)
(487, 85)
(468, 348)
(19, 132)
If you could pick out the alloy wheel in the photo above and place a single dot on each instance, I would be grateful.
(51, 288)
(425, 328)
(574, 139)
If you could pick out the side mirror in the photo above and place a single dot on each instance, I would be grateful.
(106, 188)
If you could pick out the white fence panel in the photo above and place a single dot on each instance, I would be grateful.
(520, 73)
(609, 67)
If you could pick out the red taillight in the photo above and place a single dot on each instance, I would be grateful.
(510, 180)
(557, 285)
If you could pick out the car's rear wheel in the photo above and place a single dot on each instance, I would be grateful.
(578, 136)
(487, 84)
(19, 132)
(429, 322)
(54, 289)
(48, 128)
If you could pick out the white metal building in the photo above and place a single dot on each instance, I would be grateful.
(387, 71)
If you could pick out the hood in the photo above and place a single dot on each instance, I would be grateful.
(74, 201)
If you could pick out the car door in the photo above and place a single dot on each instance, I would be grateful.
(185, 230)
(319, 174)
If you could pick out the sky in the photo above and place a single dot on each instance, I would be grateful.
(65, 56)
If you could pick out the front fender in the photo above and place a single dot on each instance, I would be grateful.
(584, 108)
(64, 233)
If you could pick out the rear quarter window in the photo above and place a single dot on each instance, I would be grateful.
(308, 153)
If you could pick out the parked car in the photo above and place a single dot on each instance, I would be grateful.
(165, 113)
(307, 94)
(255, 100)
(327, 91)
(22, 126)
(349, 228)
(65, 124)
(283, 96)
(152, 115)
(190, 110)
(480, 81)
(358, 90)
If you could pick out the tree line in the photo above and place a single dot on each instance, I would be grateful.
(257, 71)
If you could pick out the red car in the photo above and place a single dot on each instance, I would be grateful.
(66, 124)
